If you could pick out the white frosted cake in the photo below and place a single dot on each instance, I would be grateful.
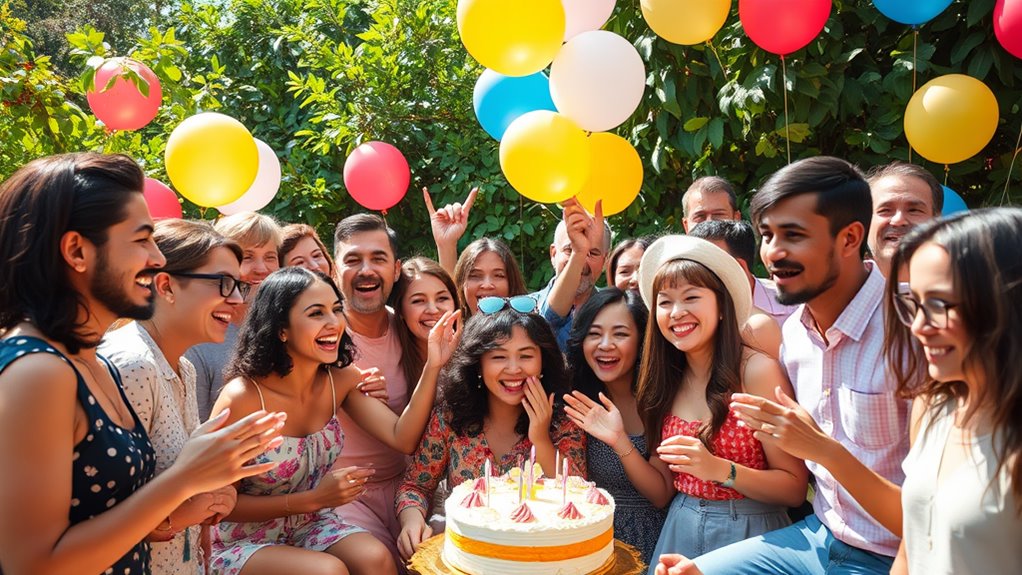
(539, 536)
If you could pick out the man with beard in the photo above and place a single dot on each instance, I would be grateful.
(904, 196)
(847, 424)
(581, 243)
(365, 252)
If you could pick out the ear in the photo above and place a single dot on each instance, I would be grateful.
(76, 251)
(162, 285)
(851, 239)
(684, 224)
(397, 269)
(553, 251)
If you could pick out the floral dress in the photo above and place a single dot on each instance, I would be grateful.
(445, 454)
(301, 463)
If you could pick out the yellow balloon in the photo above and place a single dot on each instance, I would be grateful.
(545, 156)
(615, 176)
(951, 118)
(512, 37)
(686, 21)
(211, 159)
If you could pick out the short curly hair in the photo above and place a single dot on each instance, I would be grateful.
(461, 394)
(259, 350)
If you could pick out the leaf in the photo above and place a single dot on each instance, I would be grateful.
(796, 132)
(716, 132)
(695, 124)
(978, 9)
(173, 72)
(964, 47)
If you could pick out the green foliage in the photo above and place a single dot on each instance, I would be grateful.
(315, 78)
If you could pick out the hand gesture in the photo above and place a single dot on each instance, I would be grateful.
(224, 500)
(585, 232)
(686, 454)
(414, 530)
(540, 409)
(785, 424)
(449, 222)
(674, 564)
(341, 486)
(373, 384)
(603, 422)
(215, 457)
(443, 339)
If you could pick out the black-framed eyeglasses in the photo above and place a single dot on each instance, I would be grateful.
(227, 283)
(519, 303)
(934, 310)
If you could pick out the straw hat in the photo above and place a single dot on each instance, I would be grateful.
(678, 247)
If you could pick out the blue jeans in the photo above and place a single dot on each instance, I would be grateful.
(804, 548)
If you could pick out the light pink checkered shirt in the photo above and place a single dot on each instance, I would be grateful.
(846, 387)
(764, 296)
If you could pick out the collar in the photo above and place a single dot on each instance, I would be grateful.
(854, 319)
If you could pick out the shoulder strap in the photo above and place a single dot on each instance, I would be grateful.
(333, 390)
(262, 403)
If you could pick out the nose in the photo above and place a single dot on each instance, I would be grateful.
(431, 306)
(487, 282)
(771, 251)
(235, 297)
(633, 280)
(334, 319)
(156, 257)
(899, 218)
(513, 366)
(605, 342)
(677, 310)
(921, 324)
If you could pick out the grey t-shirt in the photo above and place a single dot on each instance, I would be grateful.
(209, 360)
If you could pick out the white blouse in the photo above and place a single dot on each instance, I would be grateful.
(165, 403)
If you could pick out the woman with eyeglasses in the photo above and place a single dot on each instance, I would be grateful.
(496, 403)
(196, 293)
(956, 351)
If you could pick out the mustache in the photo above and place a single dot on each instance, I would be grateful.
(785, 266)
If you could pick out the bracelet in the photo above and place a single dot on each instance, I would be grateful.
(169, 527)
(631, 448)
(730, 481)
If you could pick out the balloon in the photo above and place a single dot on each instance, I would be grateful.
(376, 175)
(597, 80)
(515, 38)
(212, 159)
(911, 12)
(162, 201)
(123, 107)
(783, 26)
(585, 15)
(263, 189)
(1008, 25)
(545, 156)
(953, 203)
(615, 176)
(951, 118)
(499, 100)
(686, 21)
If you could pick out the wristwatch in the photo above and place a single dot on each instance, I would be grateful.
(730, 481)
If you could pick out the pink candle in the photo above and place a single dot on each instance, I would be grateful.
(557, 466)
(521, 476)
(487, 470)
(564, 486)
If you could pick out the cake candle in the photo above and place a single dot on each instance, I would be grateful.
(521, 475)
(557, 466)
(487, 470)
(564, 486)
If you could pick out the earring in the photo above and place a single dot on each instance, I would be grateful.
(479, 382)
(541, 375)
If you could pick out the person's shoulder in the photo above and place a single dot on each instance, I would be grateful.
(37, 370)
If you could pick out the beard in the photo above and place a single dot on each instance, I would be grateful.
(109, 290)
(810, 292)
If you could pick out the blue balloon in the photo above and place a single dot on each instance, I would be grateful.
(499, 100)
(912, 12)
(953, 203)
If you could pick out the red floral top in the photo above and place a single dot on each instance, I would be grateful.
(733, 442)
(442, 453)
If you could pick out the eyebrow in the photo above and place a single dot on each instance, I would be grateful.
(784, 226)
(145, 228)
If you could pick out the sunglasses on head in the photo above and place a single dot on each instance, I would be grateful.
(519, 303)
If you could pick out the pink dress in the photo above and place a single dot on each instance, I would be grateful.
(301, 463)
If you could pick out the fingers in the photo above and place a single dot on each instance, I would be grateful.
(469, 201)
(607, 402)
(745, 400)
(681, 441)
(214, 423)
(574, 415)
(598, 216)
(784, 399)
(576, 404)
(255, 424)
(429, 202)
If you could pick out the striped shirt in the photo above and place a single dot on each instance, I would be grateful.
(844, 384)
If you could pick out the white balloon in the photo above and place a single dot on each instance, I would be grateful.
(597, 80)
(585, 15)
(263, 189)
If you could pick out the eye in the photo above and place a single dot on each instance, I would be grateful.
(593, 333)
(622, 334)
(338, 309)
(692, 298)
(315, 313)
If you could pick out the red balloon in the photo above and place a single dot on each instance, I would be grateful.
(376, 175)
(783, 26)
(1008, 25)
(162, 201)
(123, 107)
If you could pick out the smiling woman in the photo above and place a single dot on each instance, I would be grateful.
(422, 294)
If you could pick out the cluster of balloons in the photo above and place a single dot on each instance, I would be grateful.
(552, 129)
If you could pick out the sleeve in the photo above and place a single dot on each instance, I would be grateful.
(139, 379)
(428, 466)
(570, 440)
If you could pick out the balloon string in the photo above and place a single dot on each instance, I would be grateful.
(947, 170)
(787, 130)
(915, 66)
(384, 214)
(202, 212)
(521, 232)
(1011, 166)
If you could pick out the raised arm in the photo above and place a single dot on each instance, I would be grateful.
(585, 233)
(448, 224)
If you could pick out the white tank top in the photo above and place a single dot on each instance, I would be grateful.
(966, 525)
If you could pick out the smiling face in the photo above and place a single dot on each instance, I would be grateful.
(798, 249)
(611, 346)
(315, 325)
(126, 263)
(198, 307)
(505, 368)
(368, 270)
(706, 206)
(687, 315)
(307, 254)
(626, 274)
(900, 203)
(488, 277)
(424, 302)
(257, 262)
(560, 252)
(930, 278)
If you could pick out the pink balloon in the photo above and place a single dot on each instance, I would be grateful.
(162, 201)
(263, 189)
(376, 175)
(783, 26)
(585, 15)
(1008, 25)
(123, 107)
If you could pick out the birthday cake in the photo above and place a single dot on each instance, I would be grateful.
(508, 528)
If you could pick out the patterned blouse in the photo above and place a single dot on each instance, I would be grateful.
(444, 454)
(733, 443)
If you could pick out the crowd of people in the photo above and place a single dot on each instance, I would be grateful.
(236, 398)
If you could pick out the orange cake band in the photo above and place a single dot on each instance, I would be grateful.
(531, 554)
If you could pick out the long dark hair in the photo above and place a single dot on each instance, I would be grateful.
(461, 393)
(583, 378)
(467, 260)
(412, 357)
(259, 350)
(662, 368)
(986, 270)
(85, 193)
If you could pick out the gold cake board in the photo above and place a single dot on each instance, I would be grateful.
(428, 560)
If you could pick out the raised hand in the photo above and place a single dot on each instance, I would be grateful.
(449, 222)
(373, 384)
(443, 339)
(603, 422)
(686, 454)
(540, 409)
(784, 423)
